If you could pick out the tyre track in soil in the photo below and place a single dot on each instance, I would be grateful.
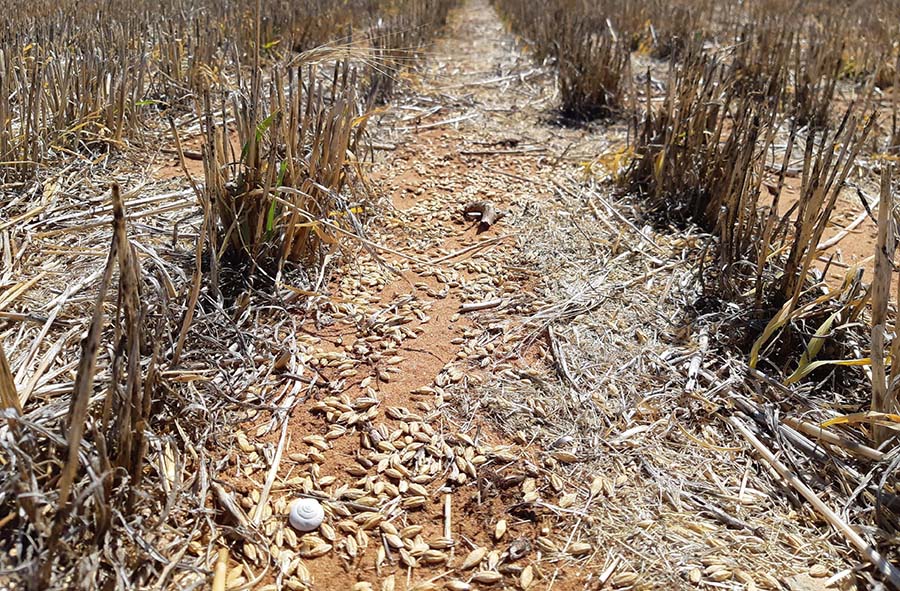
(477, 124)
(401, 339)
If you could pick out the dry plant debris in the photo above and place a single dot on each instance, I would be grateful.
(239, 269)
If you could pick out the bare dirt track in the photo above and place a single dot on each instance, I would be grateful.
(555, 407)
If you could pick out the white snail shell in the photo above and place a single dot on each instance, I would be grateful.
(306, 514)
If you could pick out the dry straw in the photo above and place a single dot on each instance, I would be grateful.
(109, 472)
